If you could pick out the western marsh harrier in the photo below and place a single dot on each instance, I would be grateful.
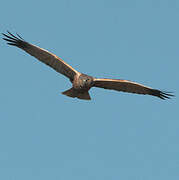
(81, 82)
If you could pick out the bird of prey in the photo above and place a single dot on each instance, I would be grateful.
(81, 83)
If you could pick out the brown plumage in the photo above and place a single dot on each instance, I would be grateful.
(81, 82)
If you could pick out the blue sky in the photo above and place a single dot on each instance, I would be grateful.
(45, 135)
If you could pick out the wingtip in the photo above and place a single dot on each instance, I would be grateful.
(19, 36)
(166, 95)
(13, 40)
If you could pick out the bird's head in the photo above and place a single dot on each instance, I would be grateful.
(86, 81)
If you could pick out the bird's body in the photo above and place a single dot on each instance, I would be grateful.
(81, 83)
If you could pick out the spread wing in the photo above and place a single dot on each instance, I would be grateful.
(130, 87)
(41, 54)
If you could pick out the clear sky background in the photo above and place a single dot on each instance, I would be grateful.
(46, 135)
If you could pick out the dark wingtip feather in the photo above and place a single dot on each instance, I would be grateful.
(165, 95)
(15, 41)
(19, 36)
(12, 44)
(9, 40)
(12, 35)
(161, 94)
(7, 36)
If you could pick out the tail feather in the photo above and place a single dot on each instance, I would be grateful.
(73, 93)
(70, 93)
(84, 95)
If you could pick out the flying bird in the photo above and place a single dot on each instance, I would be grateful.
(81, 83)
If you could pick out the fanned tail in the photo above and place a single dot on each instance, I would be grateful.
(85, 95)
(70, 92)
(73, 93)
